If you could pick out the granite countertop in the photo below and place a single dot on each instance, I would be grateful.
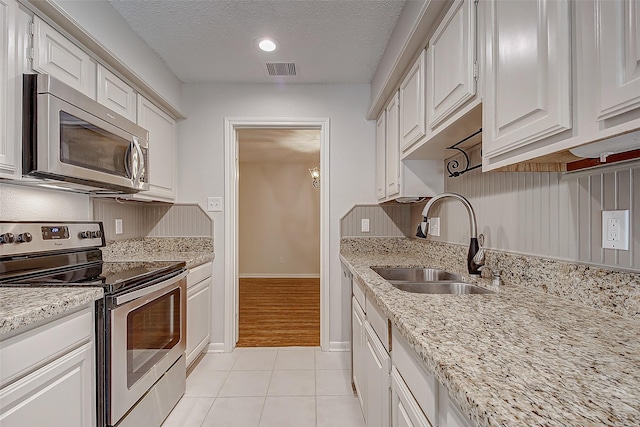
(20, 307)
(192, 259)
(518, 357)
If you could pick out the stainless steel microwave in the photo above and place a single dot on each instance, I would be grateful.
(74, 142)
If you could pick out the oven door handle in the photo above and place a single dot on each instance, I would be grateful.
(149, 289)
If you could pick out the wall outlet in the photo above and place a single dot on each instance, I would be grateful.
(434, 226)
(118, 226)
(364, 226)
(615, 230)
(214, 204)
(281, 260)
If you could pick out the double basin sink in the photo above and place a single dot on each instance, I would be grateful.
(428, 281)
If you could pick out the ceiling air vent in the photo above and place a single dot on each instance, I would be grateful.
(281, 69)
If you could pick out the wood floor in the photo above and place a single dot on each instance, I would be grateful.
(279, 312)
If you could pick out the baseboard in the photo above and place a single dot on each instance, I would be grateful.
(339, 346)
(216, 347)
(279, 276)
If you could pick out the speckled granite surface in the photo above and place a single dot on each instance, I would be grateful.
(615, 291)
(520, 357)
(21, 307)
(192, 250)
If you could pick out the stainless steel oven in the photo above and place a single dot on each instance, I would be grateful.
(77, 142)
(140, 322)
(147, 329)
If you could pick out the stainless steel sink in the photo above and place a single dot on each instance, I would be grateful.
(455, 288)
(428, 281)
(403, 274)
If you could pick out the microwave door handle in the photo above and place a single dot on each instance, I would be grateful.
(141, 165)
(128, 160)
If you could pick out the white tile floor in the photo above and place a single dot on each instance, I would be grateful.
(269, 387)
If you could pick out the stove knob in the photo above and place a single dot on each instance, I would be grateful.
(7, 238)
(25, 237)
(85, 234)
(96, 234)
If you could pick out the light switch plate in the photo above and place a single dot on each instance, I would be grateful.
(118, 226)
(214, 204)
(615, 230)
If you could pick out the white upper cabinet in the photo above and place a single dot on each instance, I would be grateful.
(527, 94)
(618, 57)
(392, 148)
(451, 69)
(14, 42)
(115, 94)
(162, 150)
(56, 55)
(381, 155)
(412, 104)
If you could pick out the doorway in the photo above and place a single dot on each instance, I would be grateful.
(279, 237)
(231, 210)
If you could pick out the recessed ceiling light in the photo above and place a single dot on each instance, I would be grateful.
(267, 44)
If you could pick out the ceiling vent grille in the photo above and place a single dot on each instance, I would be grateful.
(281, 69)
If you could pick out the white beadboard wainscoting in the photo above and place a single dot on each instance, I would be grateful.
(544, 214)
(141, 219)
(384, 221)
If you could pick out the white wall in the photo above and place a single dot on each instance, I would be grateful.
(19, 203)
(352, 157)
(101, 20)
(282, 237)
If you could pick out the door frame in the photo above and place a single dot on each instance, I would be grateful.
(231, 125)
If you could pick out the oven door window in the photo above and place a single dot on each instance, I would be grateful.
(152, 331)
(86, 145)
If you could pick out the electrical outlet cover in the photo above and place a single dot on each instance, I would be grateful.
(615, 230)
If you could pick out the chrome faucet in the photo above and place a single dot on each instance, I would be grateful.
(474, 265)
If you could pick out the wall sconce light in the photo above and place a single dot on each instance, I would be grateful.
(315, 175)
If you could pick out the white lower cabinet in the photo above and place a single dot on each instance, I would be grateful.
(358, 348)
(198, 310)
(417, 397)
(377, 365)
(48, 374)
(405, 411)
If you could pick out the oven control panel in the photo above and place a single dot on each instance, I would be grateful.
(17, 238)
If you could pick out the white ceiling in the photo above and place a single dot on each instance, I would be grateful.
(279, 145)
(331, 41)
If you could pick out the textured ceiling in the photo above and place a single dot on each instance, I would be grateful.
(279, 145)
(331, 41)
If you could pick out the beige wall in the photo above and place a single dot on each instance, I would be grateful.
(279, 218)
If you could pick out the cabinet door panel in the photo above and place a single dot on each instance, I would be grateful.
(198, 319)
(405, 411)
(618, 56)
(358, 354)
(377, 365)
(56, 55)
(527, 73)
(451, 79)
(116, 94)
(412, 104)
(162, 149)
(61, 392)
(381, 155)
(393, 148)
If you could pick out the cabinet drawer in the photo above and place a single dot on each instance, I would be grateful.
(198, 274)
(22, 353)
(358, 292)
(422, 383)
(378, 321)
